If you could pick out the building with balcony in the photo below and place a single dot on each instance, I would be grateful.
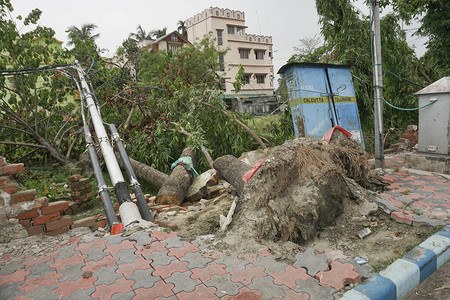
(254, 52)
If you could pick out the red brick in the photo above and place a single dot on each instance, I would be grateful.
(40, 202)
(2, 161)
(25, 223)
(82, 192)
(47, 218)
(10, 188)
(12, 169)
(85, 222)
(55, 207)
(23, 196)
(3, 181)
(63, 222)
(75, 178)
(29, 214)
(99, 224)
(35, 230)
(57, 231)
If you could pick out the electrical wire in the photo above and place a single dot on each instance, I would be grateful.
(29, 71)
(408, 109)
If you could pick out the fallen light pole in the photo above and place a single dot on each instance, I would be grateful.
(129, 212)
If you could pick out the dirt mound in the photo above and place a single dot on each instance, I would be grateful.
(300, 189)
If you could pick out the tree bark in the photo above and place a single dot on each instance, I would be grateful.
(146, 173)
(175, 188)
(232, 169)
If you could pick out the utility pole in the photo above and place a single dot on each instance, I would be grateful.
(378, 85)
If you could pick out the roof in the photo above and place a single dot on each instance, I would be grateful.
(169, 34)
(440, 86)
(283, 68)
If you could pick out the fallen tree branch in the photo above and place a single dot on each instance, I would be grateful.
(232, 169)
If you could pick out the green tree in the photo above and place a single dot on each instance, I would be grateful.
(140, 34)
(182, 28)
(82, 39)
(157, 33)
(85, 33)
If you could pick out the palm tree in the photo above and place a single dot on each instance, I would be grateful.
(140, 34)
(182, 28)
(159, 32)
(84, 33)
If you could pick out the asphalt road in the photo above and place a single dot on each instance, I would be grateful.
(437, 286)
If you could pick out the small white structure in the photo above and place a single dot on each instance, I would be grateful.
(434, 120)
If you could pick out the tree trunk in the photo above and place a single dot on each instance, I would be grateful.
(175, 188)
(55, 153)
(146, 173)
(232, 169)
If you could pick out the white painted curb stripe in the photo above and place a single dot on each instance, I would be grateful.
(404, 274)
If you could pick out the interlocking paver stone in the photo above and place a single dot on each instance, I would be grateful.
(66, 288)
(127, 256)
(95, 265)
(80, 294)
(270, 263)
(106, 291)
(314, 290)
(246, 276)
(365, 271)
(141, 238)
(419, 220)
(40, 269)
(98, 243)
(195, 260)
(168, 270)
(9, 290)
(143, 279)
(292, 295)
(107, 275)
(174, 242)
(68, 251)
(204, 274)
(290, 276)
(115, 248)
(311, 262)
(32, 260)
(224, 285)
(115, 239)
(161, 235)
(123, 296)
(139, 264)
(181, 251)
(150, 248)
(201, 292)
(43, 293)
(244, 294)
(183, 281)
(232, 262)
(31, 284)
(160, 289)
(339, 275)
(71, 272)
(160, 258)
(17, 276)
(61, 263)
(95, 254)
(268, 289)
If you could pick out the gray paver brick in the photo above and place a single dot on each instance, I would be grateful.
(141, 238)
(419, 220)
(126, 256)
(365, 271)
(115, 239)
(71, 272)
(268, 289)
(173, 297)
(81, 294)
(270, 264)
(195, 260)
(68, 251)
(122, 296)
(10, 290)
(107, 275)
(143, 279)
(10, 267)
(174, 242)
(40, 269)
(182, 282)
(311, 262)
(95, 253)
(87, 238)
(160, 258)
(44, 292)
(314, 290)
(385, 204)
(224, 285)
(232, 262)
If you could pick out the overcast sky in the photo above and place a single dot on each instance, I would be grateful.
(285, 20)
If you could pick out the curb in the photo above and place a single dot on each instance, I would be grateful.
(399, 278)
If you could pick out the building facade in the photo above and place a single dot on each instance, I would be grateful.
(253, 52)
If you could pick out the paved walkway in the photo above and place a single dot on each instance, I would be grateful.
(158, 265)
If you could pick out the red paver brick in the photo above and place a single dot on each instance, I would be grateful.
(413, 196)
(95, 265)
(292, 295)
(438, 214)
(201, 292)
(63, 222)
(66, 288)
(61, 263)
(161, 235)
(246, 276)
(180, 252)
(245, 294)
(22, 297)
(47, 218)
(441, 196)
(23, 196)
(168, 270)
(290, 276)
(32, 260)
(105, 291)
(139, 264)
(160, 289)
(339, 275)
(204, 274)
(6, 257)
(55, 207)
(17, 276)
(83, 247)
(402, 217)
(154, 246)
(73, 240)
(115, 248)
(33, 283)
(388, 178)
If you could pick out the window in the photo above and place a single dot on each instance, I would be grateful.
(250, 39)
(267, 41)
(219, 37)
(239, 30)
(260, 78)
(246, 78)
(217, 12)
(244, 53)
(228, 15)
(221, 63)
(174, 48)
(238, 16)
(174, 38)
(230, 29)
(259, 54)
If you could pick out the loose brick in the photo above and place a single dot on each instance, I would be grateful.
(65, 221)
(98, 224)
(2, 161)
(85, 222)
(35, 230)
(3, 181)
(10, 188)
(75, 178)
(81, 193)
(23, 196)
(25, 223)
(55, 207)
(57, 231)
(40, 202)
(47, 218)
(12, 169)
(29, 214)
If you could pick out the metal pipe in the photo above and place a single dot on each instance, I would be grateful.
(142, 203)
